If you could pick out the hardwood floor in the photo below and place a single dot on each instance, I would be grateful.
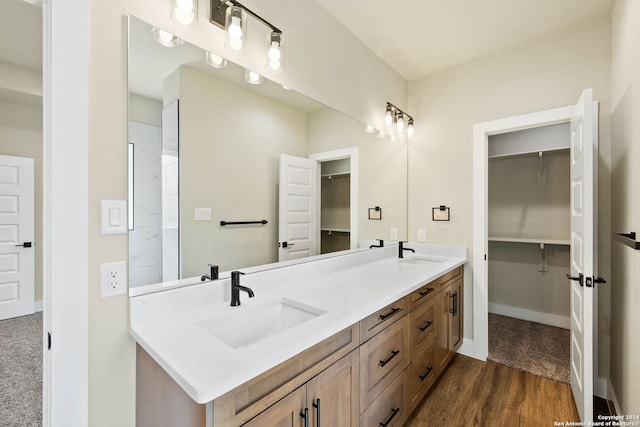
(475, 393)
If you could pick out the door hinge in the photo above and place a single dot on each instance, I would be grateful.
(48, 340)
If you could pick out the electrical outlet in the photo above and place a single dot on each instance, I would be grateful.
(422, 236)
(113, 278)
(394, 234)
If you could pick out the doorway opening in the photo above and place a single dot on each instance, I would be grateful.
(335, 206)
(529, 223)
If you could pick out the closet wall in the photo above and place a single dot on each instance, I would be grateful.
(335, 206)
(529, 225)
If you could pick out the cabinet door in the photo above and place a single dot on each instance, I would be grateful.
(441, 350)
(332, 396)
(455, 316)
(285, 413)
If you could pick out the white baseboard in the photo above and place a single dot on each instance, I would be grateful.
(612, 396)
(531, 316)
(601, 387)
(468, 349)
(37, 306)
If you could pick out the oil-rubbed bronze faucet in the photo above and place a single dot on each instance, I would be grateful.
(236, 288)
(401, 249)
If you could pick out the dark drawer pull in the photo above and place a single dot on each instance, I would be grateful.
(393, 354)
(317, 406)
(423, 376)
(426, 291)
(394, 412)
(426, 326)
(389, 314)
(305, 414)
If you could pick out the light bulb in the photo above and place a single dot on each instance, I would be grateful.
(186, 5)
(184, 13)
(252, 77)
(183, 17)
(165, 38)
(275, 65)
(215, 61)
(400, 123)
(274, 51)
(410, 128)
(235, 28)
(388, 118)
(236, 44)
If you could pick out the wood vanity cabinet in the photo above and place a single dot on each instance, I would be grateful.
(374, 373)
(449, 311)
(330, 399)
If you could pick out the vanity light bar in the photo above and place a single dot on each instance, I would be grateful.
(402, 120)
(219, 10)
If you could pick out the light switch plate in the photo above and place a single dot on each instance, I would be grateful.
(203, 214)
(422, 236)
(113, 216)
(394, 234)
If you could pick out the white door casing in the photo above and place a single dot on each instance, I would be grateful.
(298, 198)
(16, 236)
(583, 213)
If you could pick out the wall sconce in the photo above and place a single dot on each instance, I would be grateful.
(231, 16)
(402, 121)
(165, 38)
(185, 12)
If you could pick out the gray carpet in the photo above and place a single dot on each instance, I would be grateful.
(532, 347)
(21, 371)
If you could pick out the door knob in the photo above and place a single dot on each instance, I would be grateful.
(25, 245)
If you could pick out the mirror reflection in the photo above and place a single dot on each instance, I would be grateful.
(235, 174)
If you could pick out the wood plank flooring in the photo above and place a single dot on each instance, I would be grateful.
(475, 393)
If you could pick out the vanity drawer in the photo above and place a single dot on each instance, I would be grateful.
(443, 280)
(422, 295)
(382, 318)
(421, 374)
(422, 327)
(390, 408)
(382, 358)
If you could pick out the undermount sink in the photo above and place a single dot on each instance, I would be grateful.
(421, 260)
(248, 325)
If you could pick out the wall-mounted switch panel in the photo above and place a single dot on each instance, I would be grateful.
(113, 278)
(422, 236)
(203, 214)
(113, 216)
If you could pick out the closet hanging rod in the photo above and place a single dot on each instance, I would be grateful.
(628, 239)
(262, 221)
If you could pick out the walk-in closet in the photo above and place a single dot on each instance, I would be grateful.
(529, 228)
(335, 206)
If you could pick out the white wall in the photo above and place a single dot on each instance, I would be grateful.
(625, 189)
(382, 171)
(145, 110)
(546, 74)
(323, 60)
(230, 144)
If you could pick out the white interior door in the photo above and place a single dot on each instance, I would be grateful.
(16, 237)
(584, 145)
(298, 220)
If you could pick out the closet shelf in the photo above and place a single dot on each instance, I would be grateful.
(529, 240)
(336, 230)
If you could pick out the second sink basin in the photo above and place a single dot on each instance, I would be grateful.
(245, 326)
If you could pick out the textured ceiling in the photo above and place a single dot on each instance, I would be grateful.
(420, 37)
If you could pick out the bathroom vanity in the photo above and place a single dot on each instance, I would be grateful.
(356, 339)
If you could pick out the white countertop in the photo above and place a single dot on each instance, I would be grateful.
(206, 368)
